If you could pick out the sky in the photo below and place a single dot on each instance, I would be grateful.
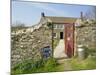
(29, 13)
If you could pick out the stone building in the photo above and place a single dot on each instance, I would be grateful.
(62, 28)
(58, 24)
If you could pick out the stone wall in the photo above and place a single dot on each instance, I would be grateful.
(27, 45)
(86, 34)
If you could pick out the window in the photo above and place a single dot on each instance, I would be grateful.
(55, 26)
(60, 26)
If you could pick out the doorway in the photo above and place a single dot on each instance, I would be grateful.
(61, 35)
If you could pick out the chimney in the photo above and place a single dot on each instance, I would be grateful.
(81, 15)
(42, 14)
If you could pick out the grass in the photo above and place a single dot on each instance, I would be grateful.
(52, 65)
(89, 51)
(35, 67)
(87, 64)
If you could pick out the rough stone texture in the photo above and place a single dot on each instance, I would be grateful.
(27, 44)
(86, 34)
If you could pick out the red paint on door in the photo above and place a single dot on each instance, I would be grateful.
(69, 39)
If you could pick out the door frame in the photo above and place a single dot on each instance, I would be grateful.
(61, 35)
(67, 30)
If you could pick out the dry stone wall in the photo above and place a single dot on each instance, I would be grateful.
(27, 45)
(86, 34)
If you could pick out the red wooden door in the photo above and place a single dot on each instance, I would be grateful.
(69, 39)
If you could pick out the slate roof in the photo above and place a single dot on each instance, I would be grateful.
(61, 19)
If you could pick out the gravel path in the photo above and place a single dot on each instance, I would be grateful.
(64, 64)
(59, 51)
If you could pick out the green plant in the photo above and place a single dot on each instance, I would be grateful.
(89, 63)
(50, 64)
(29, 66)
(50, 25)
(89, 51)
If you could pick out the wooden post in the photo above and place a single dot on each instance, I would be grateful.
(52, 40)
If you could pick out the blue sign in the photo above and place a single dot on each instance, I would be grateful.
(46, 52)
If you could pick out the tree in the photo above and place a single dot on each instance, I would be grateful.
(18, 24)
(91, 13)
(50, 25)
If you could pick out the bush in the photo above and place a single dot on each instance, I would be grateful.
(50, 64)
(50, 25)
(89, 51)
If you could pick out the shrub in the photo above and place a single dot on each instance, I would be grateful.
(89, 51)
(50, 25)
(50, 64)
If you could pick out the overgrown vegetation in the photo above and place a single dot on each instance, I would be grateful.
(89, 51)
(50, 25)
(52, 65)
(30, 66)
(87, 64)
